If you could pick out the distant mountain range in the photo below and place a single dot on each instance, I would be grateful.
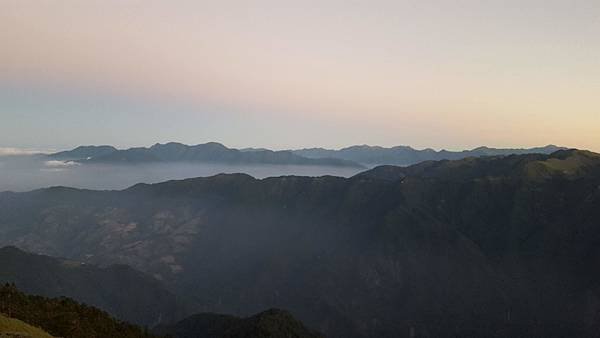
(355, 156)
(404, 155)
(205, 153)
(494, 246)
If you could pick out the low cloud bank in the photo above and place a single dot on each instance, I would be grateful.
(8, 151)
(60, 164)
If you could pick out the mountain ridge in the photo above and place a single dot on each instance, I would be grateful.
(406, 155)
(214, 152)
(211, 152)
(513, 238)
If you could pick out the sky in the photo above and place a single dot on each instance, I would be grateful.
(292, 74)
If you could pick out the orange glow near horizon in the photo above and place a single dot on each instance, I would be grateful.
(443, 74)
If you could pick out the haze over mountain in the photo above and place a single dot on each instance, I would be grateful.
(491, 246)
(392, 169)
(106, 167)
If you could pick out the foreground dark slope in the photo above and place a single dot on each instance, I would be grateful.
(23, 315)
(120, 290)
(499, 246)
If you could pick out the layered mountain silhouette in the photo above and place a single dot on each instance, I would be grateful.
(405, 155)
(118, 289)
(212, 152)
(497, 246)
(207, 153)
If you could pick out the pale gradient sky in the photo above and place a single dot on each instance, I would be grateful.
(281, 74)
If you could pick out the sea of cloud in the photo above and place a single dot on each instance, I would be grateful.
(21, 172)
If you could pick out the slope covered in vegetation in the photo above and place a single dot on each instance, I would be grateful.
(63, 317)
(13, 328)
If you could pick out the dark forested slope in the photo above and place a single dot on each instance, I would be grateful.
(118, 289)
(63, 317)
(272, 323)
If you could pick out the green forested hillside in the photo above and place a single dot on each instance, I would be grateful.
(63, 317)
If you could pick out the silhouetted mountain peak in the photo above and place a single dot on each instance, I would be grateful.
(83, 152)
(384, 172)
